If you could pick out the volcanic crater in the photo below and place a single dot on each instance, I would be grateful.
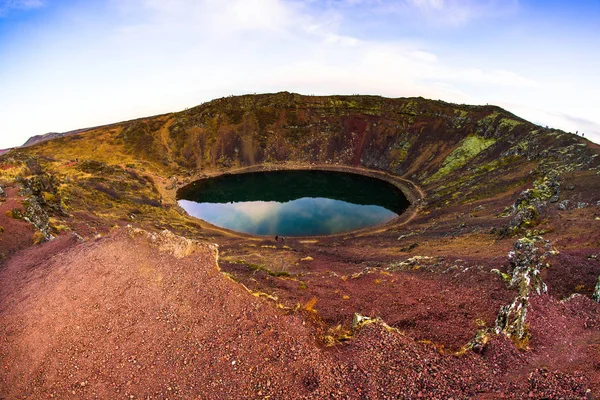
(486, 287)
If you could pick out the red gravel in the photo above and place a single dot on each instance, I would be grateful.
(119, 317)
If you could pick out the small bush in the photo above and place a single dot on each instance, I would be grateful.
(34, 167)
(49, 197)
(15, 213)
(60, 228)
(38, 237)
(309, 306)
(93, 166)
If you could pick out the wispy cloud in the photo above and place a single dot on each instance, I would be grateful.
(216, 16)
(458, 12)
(286, 45)
(8, 5)
(438, 12)
(495, 77)
(557, 119)
(583, 126)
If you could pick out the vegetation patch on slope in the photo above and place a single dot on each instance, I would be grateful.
(467, 149)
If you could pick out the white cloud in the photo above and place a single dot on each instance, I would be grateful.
(556, 119)
(257, 211)
(459, 12)
(436, 12)
(495, 77)
(8, 5)
(214, 16)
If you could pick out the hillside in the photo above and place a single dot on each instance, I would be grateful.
(467, 294)
(49, 136)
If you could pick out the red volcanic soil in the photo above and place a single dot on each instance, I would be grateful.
(445, 308)
(146, 315)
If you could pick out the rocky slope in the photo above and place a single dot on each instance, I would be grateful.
(469, 294)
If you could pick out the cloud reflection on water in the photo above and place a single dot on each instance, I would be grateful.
(301, 217)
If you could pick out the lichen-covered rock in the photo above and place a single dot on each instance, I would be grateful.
(480, 340)
(526, 209)
(525, 217)
(36, 215)
(596, 294)
(43, 199)
(45, 188)
(548, 188)
(511, 321)
(414, 262)
(527, 259)
(358, 320)
(563, 205)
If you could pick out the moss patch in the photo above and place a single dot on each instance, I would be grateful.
(467, 149)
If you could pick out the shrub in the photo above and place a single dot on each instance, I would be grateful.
(34, 167)
(15, 213)
(49, 197)
(38, 237)
(94, 166)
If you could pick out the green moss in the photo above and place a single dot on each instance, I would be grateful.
(505, 277)
(508, 124)
(486, 121)
(400, 150)
(370, 105)
(543, 188)
(15, 213)
(461, 113)
(467, 149)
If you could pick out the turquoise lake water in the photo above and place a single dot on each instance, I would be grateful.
(293, 203)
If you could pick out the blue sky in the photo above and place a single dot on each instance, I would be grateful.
(72, 64)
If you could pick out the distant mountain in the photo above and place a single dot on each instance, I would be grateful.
(49, 136)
